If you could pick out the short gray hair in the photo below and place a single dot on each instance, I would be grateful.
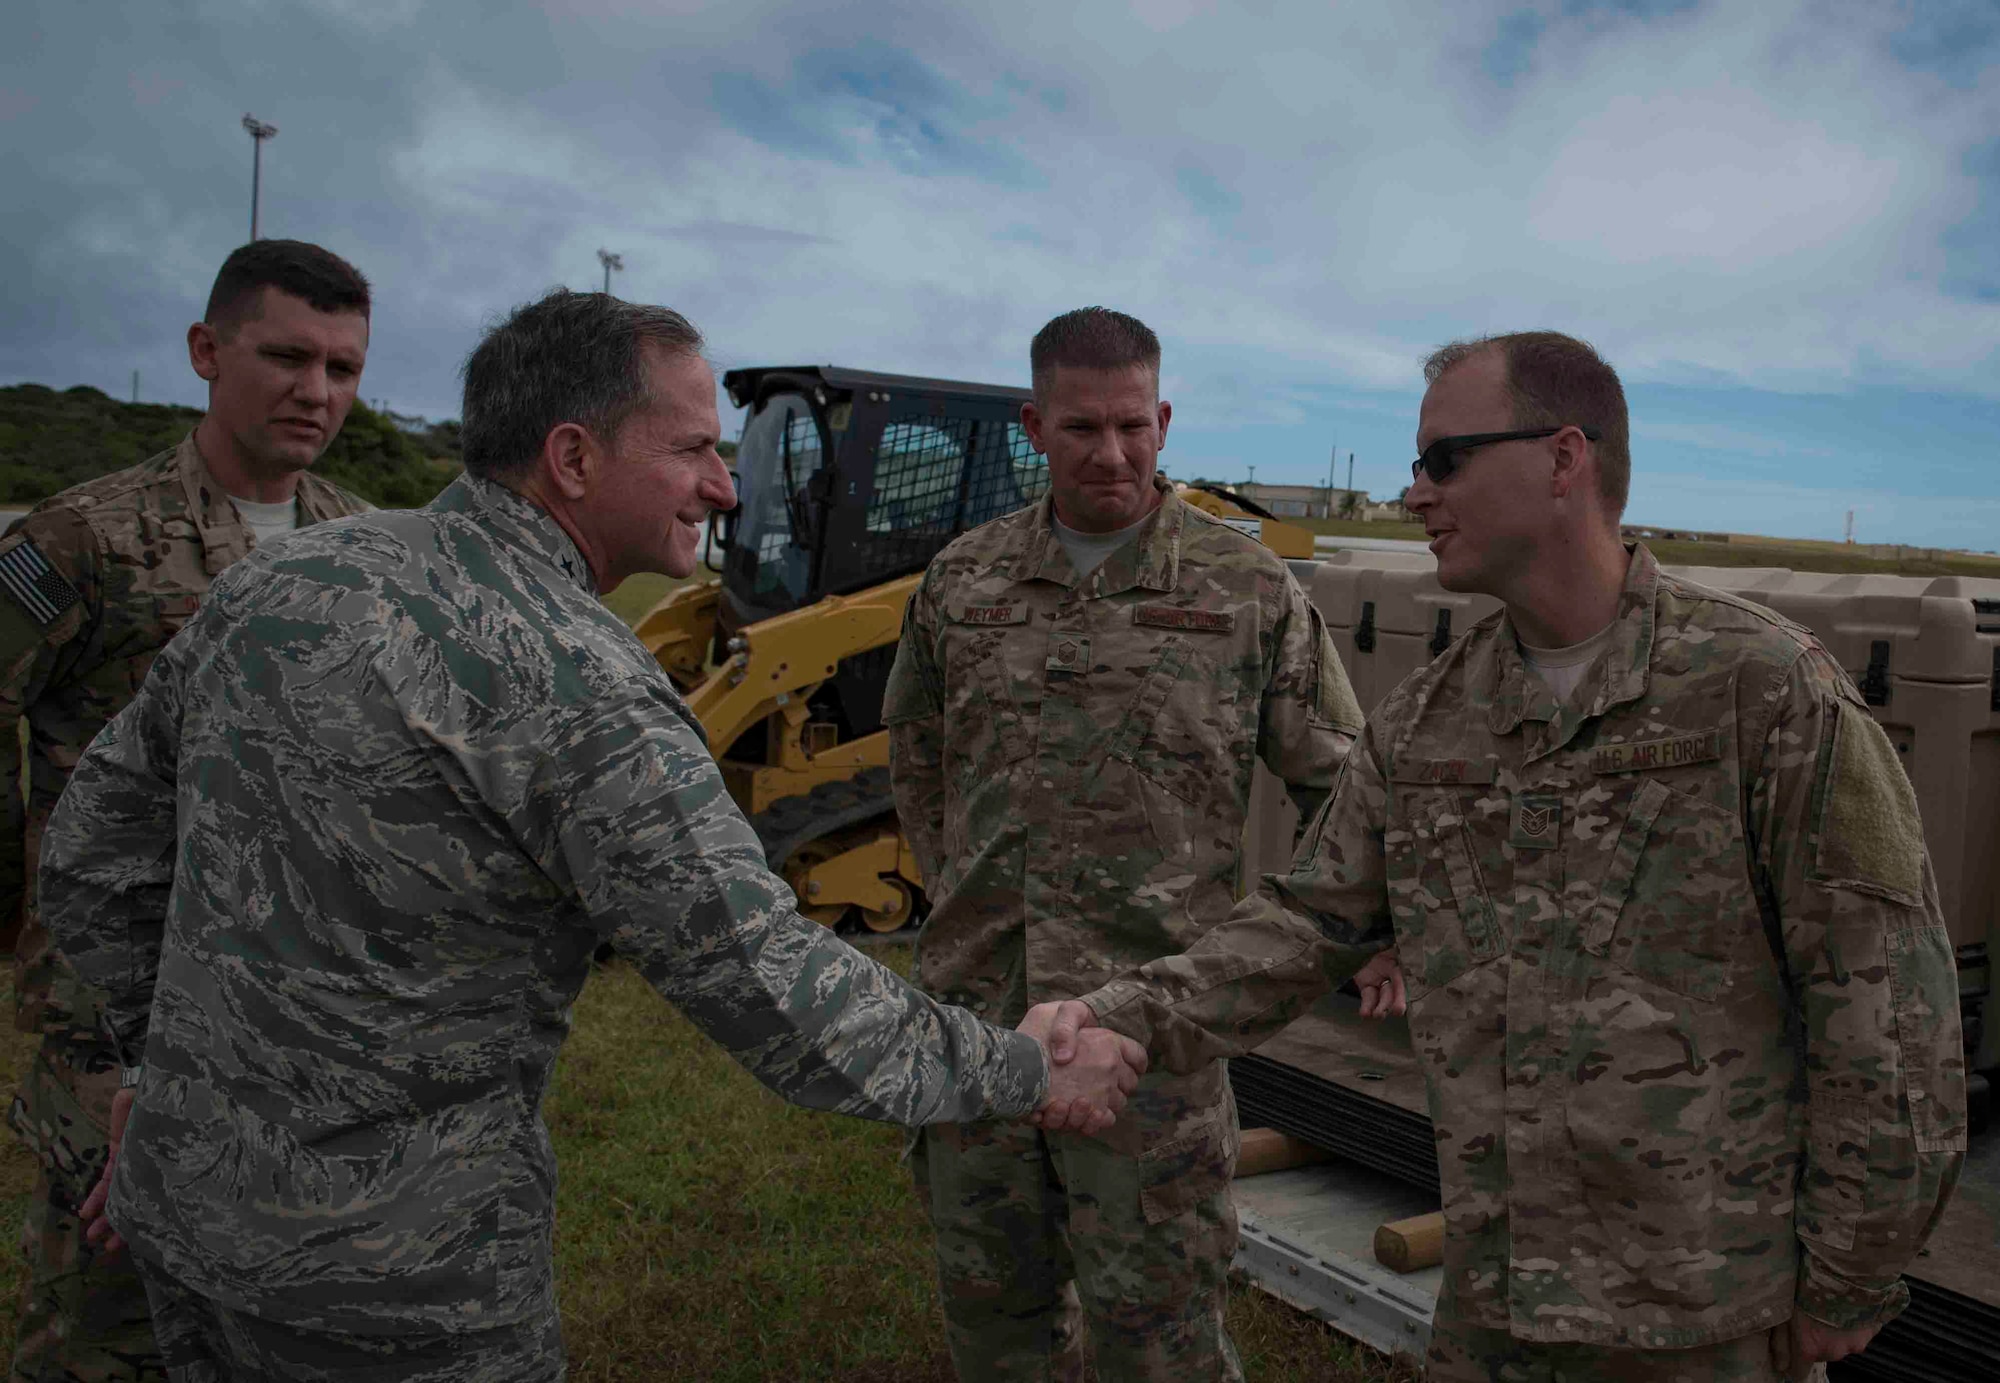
(565, 358)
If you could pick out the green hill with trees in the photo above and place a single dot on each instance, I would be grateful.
(53, 439)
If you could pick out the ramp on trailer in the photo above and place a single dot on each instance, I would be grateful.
(1350, 1085)
(1308, 1239)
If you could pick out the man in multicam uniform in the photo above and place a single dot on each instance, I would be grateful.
(1076, 706)
(92, 585)
(342, 864)
(1677, 976)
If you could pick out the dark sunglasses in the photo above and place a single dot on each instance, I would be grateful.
(1440, 458)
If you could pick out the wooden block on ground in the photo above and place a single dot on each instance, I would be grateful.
(1267, 1150)
(1406, 1245)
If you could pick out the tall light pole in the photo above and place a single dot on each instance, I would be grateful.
(610, 261)
(259, 132)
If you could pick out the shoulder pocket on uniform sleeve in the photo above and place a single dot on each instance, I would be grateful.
(1868, 834)
(1923, 987)
(34, 591)
(1333, 704)
(908, 694)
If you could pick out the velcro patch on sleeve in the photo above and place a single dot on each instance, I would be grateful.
(1178, 617)
(991, 614)
(1333, 695)
(1443, 771)
(34, 585)
(1676, 751)
(1869, 831)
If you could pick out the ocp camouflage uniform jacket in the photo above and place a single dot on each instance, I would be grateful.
(1678, 979)
(1072, 760)
(129, 557)
(139, 548)
(341, 867)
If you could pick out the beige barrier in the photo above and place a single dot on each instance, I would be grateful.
(1925, 652)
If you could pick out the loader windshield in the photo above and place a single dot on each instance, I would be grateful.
(779, 453)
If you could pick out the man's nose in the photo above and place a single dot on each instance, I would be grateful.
(718, 484)
(1422, 494)
(310, 385)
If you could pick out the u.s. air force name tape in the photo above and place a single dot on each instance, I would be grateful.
(36, 586)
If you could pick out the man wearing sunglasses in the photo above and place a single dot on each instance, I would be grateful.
(1677, 974)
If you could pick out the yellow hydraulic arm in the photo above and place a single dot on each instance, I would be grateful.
(779, 662)
(768, 675)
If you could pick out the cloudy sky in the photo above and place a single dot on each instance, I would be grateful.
(1780, 221)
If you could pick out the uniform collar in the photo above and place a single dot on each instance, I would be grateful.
(1151, 561)
(1620, 674)
(225, 537)
(521, 525)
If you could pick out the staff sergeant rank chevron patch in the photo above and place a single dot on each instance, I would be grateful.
(36, 586)
(1537, 823)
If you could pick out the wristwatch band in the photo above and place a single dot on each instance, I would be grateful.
(129, 1077)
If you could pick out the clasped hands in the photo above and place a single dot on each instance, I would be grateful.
(1092, 1069)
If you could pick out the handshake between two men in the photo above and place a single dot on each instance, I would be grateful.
(1092, 1069)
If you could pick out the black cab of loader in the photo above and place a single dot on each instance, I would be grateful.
(847, 479)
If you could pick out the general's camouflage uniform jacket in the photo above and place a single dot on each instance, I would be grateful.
(341, 868)
(1678, 980)
(1073, 759)
(136, 550)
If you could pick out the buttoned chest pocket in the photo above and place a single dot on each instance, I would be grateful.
(135, 630)
(1674, 904)
(1183, 731)
(1441, 891)
(987, 725)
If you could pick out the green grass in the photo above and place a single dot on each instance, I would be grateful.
(706, 1229)
(1834, 557)
(640, 593)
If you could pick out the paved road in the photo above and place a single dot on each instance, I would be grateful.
(1328, 542)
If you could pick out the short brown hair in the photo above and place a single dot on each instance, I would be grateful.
(1554, 380)
(1093, 338)
(327, 282)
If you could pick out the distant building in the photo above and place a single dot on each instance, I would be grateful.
(1298, 501)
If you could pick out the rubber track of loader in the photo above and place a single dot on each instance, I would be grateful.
(792, 822)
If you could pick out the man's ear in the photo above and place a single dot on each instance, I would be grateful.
(1031, 423)
(1575, 463)
(570, 460)
(203, 345)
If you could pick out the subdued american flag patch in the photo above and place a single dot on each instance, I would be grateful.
(36, 586)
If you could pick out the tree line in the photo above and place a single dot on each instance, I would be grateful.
(52, 439)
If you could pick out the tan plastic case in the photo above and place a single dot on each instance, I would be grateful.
(1925, 652)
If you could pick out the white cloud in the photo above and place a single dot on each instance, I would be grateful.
(1722, 438)
(1303, 200)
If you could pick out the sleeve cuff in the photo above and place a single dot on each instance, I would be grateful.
(1847, 1303)
(1113, 1004)
(1035, 1064)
